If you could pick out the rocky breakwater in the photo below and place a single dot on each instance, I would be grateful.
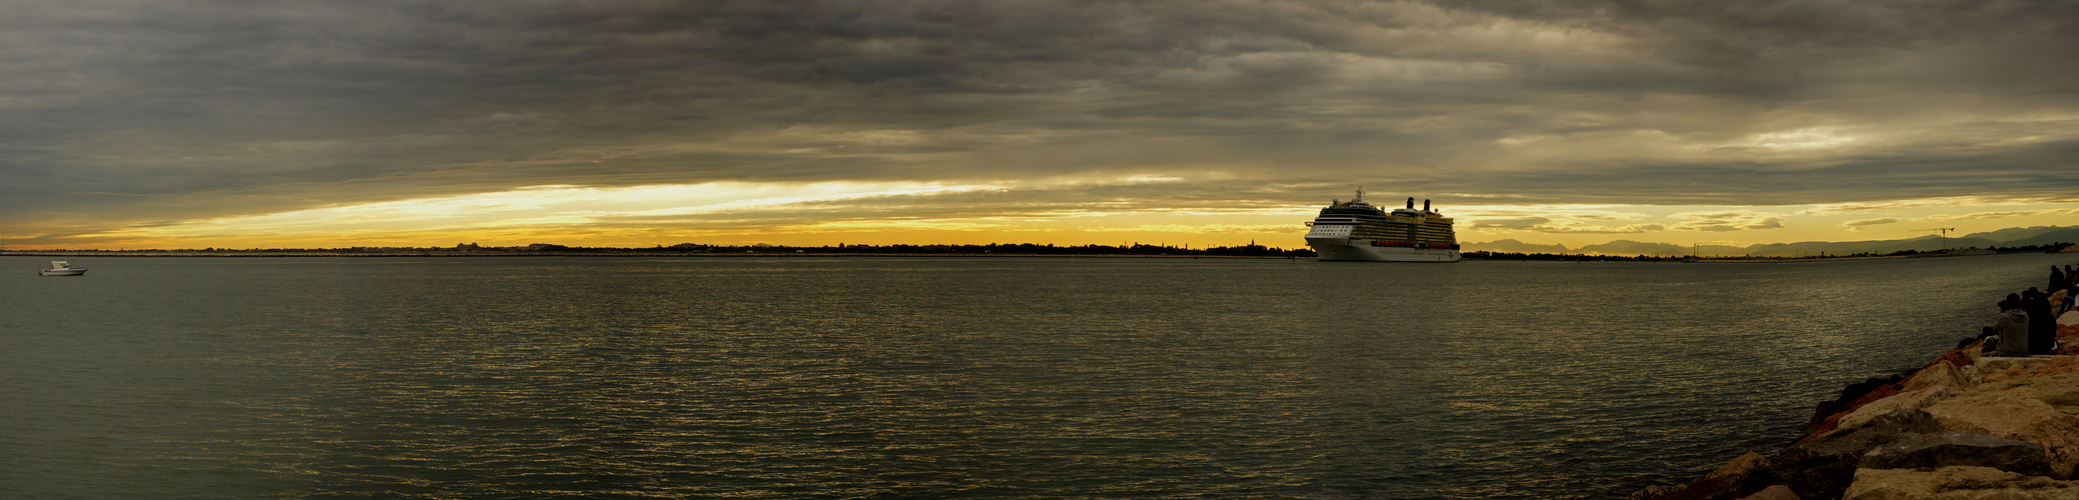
(1965, 426)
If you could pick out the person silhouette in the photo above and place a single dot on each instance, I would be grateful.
(2013, 327)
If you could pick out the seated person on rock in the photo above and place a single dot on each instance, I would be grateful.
(2013, 327)
(2042, 324)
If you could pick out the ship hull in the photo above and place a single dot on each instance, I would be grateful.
(1361, 251)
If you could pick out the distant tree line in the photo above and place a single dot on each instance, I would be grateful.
(1250, 250)
(2053, 247)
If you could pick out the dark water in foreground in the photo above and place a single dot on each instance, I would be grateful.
(906, 378)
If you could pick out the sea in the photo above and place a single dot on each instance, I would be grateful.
(940, 377)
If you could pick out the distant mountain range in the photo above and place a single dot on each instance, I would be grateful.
(2010, 237)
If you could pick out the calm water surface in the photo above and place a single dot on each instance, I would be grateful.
(938, 377)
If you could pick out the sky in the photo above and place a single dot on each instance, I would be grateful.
(1205, 122)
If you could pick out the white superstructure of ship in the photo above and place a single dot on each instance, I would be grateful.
(1357, 231)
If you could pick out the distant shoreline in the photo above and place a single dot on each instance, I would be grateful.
(1786, 260)
(776, 253)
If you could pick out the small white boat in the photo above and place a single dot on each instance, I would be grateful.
(61, 268)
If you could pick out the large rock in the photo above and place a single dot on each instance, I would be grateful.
(2055, 388)
(2025, 409)
(1934, 451)
(1955, 483)
(1774, 492)
(1990, 363)
(1939, 373)
(2058, 366)
(1997, 368)
(1959, 357)
(1742, 476)
(1822, 466)
(1828, 422)
(1852, 396)
(1739, 466)
(1972, 353)
(1915, 400)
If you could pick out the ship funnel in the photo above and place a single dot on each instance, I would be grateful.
(1411, 203)
(1425, 205)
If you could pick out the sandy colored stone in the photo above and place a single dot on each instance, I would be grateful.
(1957, 483)
(2025, 409)
(2059, 388)
(1774, 492)
(2060, 365)
(1737, 466)
(2060, 391)
(1998, 368)
(2063, 461)
(1973, 353)
(1939, 373)
(1833, 420)
(1914, 400)
(1950, 449)
(1990, 363)
(2055, 388)
(2013, 413)
(1822, 466)
(1961, 356)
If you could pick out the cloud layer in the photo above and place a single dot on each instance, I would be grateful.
(144, 114)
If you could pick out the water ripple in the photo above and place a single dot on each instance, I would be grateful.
(905, 378)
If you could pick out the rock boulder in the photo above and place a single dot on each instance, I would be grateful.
(1998, 368)
(1774, 492)
(1959, 483)
(1959, 357)
(1822, 466)
(1916, 400)
(1829, 422)
(2039, 410)
(1738, 478)
(1946, 449)
(1850, 395)
(1939, 373)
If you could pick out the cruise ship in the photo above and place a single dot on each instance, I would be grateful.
(1356, 230)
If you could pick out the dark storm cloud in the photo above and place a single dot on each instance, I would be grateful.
(154, 111)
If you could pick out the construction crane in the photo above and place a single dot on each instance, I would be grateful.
(1944, 234)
